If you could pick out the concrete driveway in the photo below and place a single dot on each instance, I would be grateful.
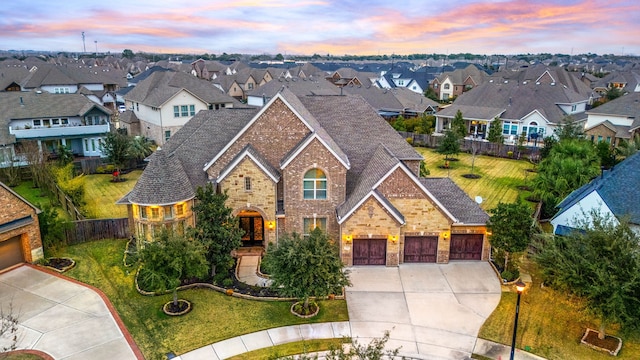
(62, 318)
(433, 311)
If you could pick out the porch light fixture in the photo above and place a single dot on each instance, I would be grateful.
(393, 238)
(348, 239)
(445, 235)
(271, 225)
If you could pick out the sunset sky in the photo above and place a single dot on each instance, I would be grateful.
(334, 27)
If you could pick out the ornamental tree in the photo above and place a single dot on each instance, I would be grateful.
(303, 267)
(168, 260)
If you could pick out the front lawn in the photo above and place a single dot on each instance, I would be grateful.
(499, 177)
(550, 324)
(214, 317)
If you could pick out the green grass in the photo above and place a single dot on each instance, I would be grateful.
(34, 195)
(551, 324)
(19, 356)
(214, 317)
(499, 181)
(101, 195)
(293, 348)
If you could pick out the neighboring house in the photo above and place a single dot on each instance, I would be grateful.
(625, 81)
(299, 86)
(165, 100)
(391, 103)
(614, 193)
(454, 83)
(348, 76)
(416, 81)
(532, 108)
(71, 120)
(19, 230)
(615, 121)
(98, 83)
(302, 162)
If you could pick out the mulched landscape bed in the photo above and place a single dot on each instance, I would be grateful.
(471, 176)
(182, 307)
(524, 188)
(61, 264)
(610, 344)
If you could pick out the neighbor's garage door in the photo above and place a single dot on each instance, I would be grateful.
(370, 252)
(466, 247)
(10, 252)
(420, 249)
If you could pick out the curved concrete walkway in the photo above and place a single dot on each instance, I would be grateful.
(63, 318)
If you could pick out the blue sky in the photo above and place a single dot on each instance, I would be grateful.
(324, 26)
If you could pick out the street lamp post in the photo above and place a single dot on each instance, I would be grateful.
(520, 287)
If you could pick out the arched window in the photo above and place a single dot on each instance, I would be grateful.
(315, 185)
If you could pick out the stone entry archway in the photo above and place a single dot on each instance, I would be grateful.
(252, 223)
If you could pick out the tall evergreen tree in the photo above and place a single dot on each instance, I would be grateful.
(458, 125)
(495, 132)
(216, 228)
(450, 144)
(511, 230)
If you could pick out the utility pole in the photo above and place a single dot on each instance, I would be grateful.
(96, 41)
(84, 46)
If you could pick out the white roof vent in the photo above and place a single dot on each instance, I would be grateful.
(553, 84)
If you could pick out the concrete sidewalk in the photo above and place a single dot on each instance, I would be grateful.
(267, 338)
(63, 318)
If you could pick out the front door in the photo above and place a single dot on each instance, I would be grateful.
(253, 230)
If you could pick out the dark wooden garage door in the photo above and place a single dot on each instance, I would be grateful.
(420, 249)
(370, 252)
(466, 247)
(10, 252)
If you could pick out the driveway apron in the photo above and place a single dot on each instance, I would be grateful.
(432, 311)
(61, 318)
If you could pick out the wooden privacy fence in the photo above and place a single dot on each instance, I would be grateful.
(97, 229)
(481, 147)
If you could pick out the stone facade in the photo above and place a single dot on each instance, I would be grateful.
(15, 208)
(261, 196)
(371, 221)
(146, 221)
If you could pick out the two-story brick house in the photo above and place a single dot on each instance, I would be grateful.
(302, 162)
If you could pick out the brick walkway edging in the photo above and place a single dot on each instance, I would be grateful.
(132, 344)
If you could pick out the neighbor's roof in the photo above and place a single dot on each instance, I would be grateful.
(617, 188)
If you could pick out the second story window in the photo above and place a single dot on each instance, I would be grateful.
(247, 184)
(192, 110)
(315, 185)
(184, 110)
(176, 111)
